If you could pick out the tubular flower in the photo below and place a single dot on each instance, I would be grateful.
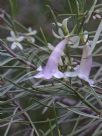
(83, 70)
(51, 68)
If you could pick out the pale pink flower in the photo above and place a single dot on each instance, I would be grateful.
(83, 70)
(51, 68)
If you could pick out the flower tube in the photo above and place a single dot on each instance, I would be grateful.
(83, 70)
(51, 68)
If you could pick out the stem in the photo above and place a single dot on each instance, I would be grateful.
(16, 57)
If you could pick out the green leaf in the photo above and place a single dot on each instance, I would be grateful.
(14, 8)
(96, 37)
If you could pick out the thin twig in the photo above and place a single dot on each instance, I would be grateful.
(16, 57)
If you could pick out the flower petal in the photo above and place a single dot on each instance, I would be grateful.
(19, 39)
(91, 82)
(10, 39)
(71, 74)
(58, 74)
(39, 75)
(14, 45)
(20, 45)
(39, 68)
(12, 34)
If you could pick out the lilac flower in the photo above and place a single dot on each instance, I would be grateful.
(83, 70)
(51, 68)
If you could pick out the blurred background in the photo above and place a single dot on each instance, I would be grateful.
(35, 13)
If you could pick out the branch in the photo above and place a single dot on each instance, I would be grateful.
(16, 57)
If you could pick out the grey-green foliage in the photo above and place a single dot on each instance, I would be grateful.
(37, 107)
